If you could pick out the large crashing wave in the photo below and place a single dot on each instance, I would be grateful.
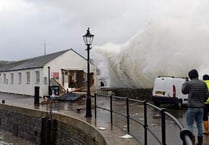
(164, 48)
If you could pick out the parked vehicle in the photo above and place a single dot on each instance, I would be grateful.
(167, 90)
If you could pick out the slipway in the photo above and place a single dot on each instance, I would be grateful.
(70, 96)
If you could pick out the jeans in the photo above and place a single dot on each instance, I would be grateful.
(195, 115)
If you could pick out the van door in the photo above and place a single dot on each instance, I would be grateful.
(162, 86)
(178, 83)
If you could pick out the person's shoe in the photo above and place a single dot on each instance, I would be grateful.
(200, 140)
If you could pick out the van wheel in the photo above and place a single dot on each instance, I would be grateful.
(179, 104)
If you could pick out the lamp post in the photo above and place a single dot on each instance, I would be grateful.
(49, 81)
(88, 39)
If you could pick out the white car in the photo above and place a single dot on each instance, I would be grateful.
(167, 90)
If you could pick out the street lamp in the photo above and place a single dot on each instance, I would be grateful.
(88, 39)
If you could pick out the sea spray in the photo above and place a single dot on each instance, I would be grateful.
(167, 47)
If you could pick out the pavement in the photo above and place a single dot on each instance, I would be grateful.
(112, 134)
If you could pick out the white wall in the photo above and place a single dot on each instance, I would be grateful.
(24, 87)
(69, 60)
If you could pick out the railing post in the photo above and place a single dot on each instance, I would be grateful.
(145, 122)
(95, 105)
(186, 137)
(111, 120)
(162, 111)
(128, 115)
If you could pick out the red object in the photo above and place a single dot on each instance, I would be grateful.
(56, 75)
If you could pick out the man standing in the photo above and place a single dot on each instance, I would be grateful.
(197, 95)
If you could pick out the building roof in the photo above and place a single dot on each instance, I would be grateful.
(31, 63)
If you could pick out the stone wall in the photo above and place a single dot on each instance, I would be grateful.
(21, 122)
(28, 124)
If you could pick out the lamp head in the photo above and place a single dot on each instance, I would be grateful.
(88, 38)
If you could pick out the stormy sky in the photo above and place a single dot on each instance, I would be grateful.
(26, 25)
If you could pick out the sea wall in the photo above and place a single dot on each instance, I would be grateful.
(39, 127)
(142, 94)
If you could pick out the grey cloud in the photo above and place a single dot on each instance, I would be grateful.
(26, 24)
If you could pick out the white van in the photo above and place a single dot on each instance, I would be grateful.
(167, 90)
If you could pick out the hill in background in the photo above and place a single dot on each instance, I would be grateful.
(4, 62)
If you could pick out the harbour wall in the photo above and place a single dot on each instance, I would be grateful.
(40, 127)
(135, 93)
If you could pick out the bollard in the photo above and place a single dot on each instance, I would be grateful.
(36, 96)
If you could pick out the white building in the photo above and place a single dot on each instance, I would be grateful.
(67, 68)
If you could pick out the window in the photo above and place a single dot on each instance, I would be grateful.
(37, 77)
(28, 77)
(5, 79)
(20, 77)
(12, 78)
(45, 80)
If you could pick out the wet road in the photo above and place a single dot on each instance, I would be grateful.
(136, 111)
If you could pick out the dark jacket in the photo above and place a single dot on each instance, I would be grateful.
(197, 93)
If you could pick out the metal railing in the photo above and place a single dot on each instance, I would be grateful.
(129, 118)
